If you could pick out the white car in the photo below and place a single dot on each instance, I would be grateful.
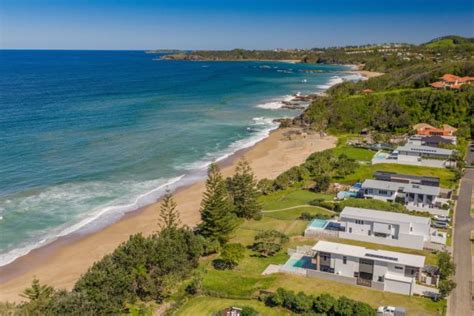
(390, 311)
(442, 218)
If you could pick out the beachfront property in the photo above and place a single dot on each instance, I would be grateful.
(414, 196)
(410, 151)
(392, 191)
(354, 265)
(387, 228)
(417, 155)
(405, 178)
(432, 140)
(385, 270)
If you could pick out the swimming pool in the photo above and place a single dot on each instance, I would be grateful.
(302, 262)
(380, 156)
(318, 223)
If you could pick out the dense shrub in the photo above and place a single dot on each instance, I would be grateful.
(269, 242)
(322, 304)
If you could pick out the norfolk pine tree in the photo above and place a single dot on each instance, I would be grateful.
(218, 220)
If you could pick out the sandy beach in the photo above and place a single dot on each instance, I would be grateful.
(62, 262)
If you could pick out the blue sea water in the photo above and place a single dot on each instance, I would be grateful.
(86, 136)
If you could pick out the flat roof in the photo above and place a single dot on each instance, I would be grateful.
(376, 255)
(404, 176)
(425, 149)
(375, 215)
(405, 187)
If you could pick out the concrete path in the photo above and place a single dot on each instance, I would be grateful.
(460, 299)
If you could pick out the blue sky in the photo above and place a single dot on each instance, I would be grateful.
(227, 24)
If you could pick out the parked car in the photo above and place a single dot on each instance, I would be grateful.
(439, 224)
(391, 311)
(442, 218)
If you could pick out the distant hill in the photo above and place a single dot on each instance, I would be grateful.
(449, 41)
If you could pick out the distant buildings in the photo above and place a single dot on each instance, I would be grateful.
(449, 81)
(428, 130)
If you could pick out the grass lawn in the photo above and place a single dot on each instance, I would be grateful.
(295, 213)
(413, 305)
(204, 305)
(354, 153)
(245, 281)
(366, 172)
(290, 197)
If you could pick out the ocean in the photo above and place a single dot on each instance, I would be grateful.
(86, 136)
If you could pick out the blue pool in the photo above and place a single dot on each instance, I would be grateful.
(318, 223)
(380, 156)
(303, 262)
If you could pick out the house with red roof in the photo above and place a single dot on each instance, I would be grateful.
(450, 81)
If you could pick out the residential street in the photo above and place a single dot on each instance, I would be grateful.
(460, 299)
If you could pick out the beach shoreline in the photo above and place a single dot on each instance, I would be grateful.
(62, 261)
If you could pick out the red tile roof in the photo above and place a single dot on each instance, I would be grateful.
(438, 85)
(450, 78)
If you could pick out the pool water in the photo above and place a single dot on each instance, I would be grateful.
(318, 223)
(380, 156)
(303, 262)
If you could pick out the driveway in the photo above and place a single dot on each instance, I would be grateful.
(460, 299)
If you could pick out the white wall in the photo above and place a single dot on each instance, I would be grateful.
(406, 241)
(400, 287)
(348, 269)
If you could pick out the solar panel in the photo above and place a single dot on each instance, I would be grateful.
(381, 257)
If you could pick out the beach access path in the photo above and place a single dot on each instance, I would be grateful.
(62, 262)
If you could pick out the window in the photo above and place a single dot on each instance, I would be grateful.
(350, 229)
(370, 233)
(411, 228)
(384, 192)
(380, 278)
(398, 268)
(358, 221)
(389, 226)
(344, 260)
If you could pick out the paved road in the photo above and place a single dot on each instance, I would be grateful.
(460, 299)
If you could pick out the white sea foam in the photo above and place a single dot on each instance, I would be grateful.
(275, 103)
(96, 218)
(260, 129)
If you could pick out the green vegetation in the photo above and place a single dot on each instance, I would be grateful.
(218, 220)
(353, 153)
(290, 197)
(324, 303)
(242, 188)
(205, 305)
(269, 242)
(446, 271)
(447, 176)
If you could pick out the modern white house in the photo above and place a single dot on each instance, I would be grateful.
(421, 151)
(388, 228)
(384, 270)
(405, 178)
(410, 193)
(417, 155)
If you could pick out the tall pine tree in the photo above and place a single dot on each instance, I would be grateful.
(169, 215)
(218, 220)
(244, 192)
